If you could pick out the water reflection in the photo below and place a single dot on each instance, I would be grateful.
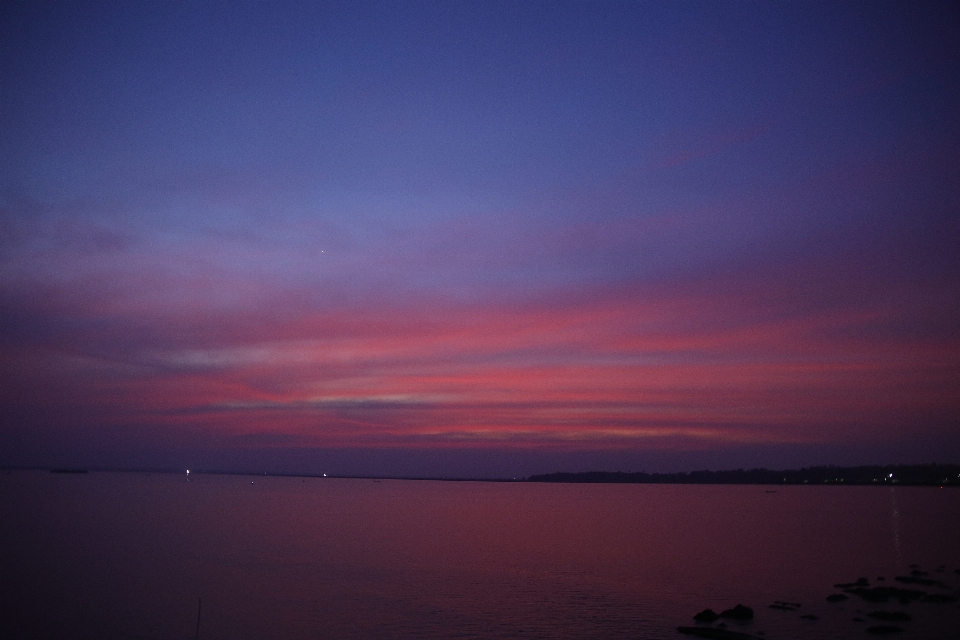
(895, 523)
(127, 555)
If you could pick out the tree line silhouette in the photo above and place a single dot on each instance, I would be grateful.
(916, 474)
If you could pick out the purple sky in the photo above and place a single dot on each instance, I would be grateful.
(479, 239)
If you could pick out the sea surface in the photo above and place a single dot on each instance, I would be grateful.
(134, 555)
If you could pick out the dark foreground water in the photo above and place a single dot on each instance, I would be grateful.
(123, 555)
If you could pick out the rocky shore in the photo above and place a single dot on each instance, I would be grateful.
(889, 606)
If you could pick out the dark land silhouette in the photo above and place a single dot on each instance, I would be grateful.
(914, 475)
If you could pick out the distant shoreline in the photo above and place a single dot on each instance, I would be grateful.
(940, 475)
(909, 475)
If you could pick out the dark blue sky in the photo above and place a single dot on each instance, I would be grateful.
(479, 238)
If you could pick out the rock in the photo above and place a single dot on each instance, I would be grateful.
(836, 597)
(890, 616)
(861, 582)
(715, 633)
(927, 582)
(883, 629)
(739, 612)
(883, 594)
(939, 598)
(707, 615)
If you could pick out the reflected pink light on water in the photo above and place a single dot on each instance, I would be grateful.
(118, 555)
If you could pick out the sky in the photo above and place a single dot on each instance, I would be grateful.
(479, 239)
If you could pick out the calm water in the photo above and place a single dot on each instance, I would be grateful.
(123, 555)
